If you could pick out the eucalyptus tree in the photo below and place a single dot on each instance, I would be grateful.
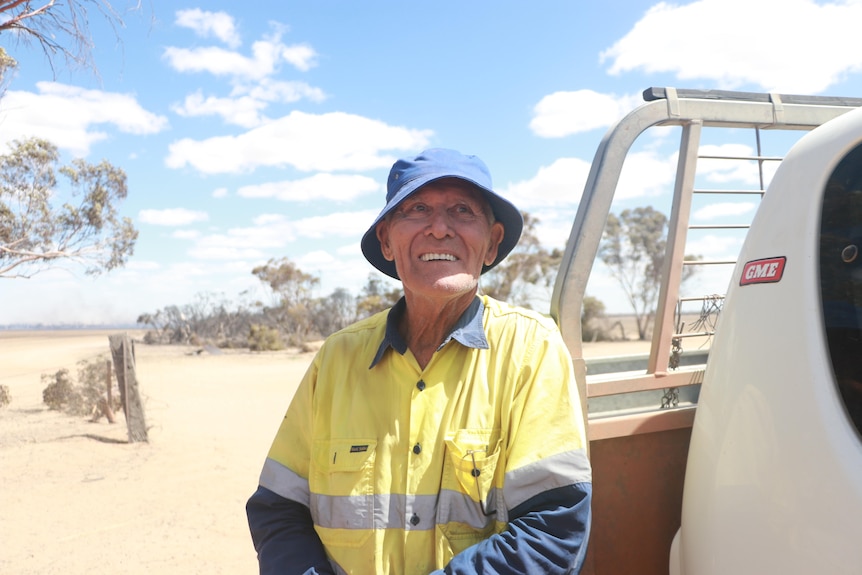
(633, 249)
(51, 212)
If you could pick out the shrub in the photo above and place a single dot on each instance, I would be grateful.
(5, 396)
(151, 338)
(263, 338)
(62, 394)
(59, 390)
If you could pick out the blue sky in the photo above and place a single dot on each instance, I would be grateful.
(252, 131)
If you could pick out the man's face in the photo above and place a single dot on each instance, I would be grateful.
(440, 237)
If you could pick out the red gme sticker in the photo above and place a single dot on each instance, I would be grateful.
(763, 271)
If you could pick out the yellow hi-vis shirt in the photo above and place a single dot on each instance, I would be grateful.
(403, 468)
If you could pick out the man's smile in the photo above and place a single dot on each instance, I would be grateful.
(437, 257)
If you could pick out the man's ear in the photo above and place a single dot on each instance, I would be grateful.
(382, 232)
(497, 231)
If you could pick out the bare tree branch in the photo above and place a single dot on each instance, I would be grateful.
(59, 28)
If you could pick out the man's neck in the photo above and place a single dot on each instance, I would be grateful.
(426, 323)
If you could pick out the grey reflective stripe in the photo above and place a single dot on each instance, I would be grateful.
(394, 511)
(558, 470)
(281, 480)
(460, 507)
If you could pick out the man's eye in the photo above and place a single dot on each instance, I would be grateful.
(416, 208)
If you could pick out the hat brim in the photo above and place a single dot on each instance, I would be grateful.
(504, 212)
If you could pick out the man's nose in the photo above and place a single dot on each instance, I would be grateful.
(439, 224)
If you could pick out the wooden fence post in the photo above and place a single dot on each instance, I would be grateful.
(123, 352)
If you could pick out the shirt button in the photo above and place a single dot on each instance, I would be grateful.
(414, 520)
(417, 449)
(421, 385)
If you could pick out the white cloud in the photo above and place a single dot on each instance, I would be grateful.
(239, 243)
(275, 231)
(217, 61)
(319, 187)
(267, 219)
(349, 270)
(245, 106)
(736, 49)
(343, 224)
(723, 209)
(349, 249)
(269, 90)
(206, 24)
(302, 56)
(186, 234)
(715, 247)
(244, 243)
(723, 171)
(274, 235)
(565, 113)
(336, 224)
(65, 115)
(560, 183)
(121, 110)
(552, 195)
(315, 259)
(555, 225)
(219, 193)
(325, 142)
(172, 217)
(646, 173)
(266, 56)
(244, 111)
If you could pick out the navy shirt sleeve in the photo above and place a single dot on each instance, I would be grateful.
(284, 536)
(548, 535)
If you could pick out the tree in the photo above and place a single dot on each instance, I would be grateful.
(375, 296)
(527, 267)
(633, 248)
(334, 312)
(292, 289)
(7, 64)
(40, 223)
(58, 27)
(210, 318)
(592, 312)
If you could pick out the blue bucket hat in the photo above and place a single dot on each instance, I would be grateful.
(409, 174)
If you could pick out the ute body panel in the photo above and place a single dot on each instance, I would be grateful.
(774, 475)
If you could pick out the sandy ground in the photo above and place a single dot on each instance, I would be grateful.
(76, 498)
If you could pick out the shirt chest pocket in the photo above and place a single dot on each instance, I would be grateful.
(343, 466)
(470, 469)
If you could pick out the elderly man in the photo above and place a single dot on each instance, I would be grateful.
(442, 436)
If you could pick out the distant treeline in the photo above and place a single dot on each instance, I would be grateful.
(291, 318)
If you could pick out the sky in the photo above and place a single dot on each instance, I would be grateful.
(266, 130)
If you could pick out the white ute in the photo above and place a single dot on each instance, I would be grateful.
(744, 455)
(774, 476)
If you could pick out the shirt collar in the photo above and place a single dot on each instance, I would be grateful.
(468, 330)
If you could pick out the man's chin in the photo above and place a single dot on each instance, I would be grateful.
(450, 286)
